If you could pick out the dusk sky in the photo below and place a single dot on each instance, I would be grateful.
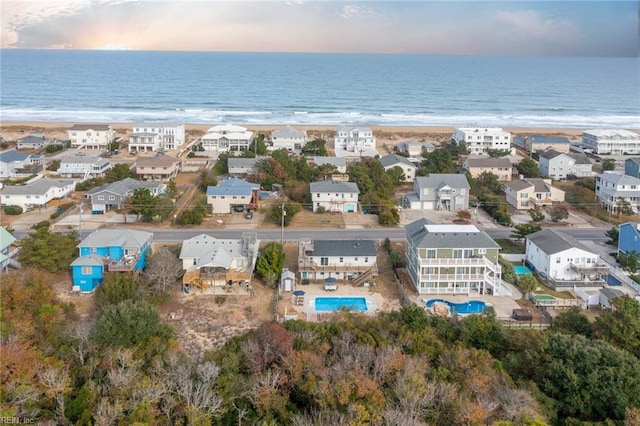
(583, 28)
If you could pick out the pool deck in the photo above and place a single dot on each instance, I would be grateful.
(503, 305)
(374, 300)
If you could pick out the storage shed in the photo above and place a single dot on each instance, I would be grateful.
(522, 315)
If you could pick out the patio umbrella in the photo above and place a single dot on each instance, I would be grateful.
(298, 293)
(330, 280)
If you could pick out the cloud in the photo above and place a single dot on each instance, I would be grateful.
(352, 12)
(532, 24)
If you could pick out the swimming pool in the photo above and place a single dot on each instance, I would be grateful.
(522, 270)
(333, 304)
(470, 307)
(545, 299)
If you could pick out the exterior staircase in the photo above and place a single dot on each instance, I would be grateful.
(369, 275)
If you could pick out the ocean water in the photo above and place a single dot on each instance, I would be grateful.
(299, 89)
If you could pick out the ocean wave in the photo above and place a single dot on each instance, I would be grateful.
(214, 116)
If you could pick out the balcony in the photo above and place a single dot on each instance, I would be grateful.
(467, 261)
(564, 284)
(126, 264)
(590, 269)
(452, 277)
(347, 267)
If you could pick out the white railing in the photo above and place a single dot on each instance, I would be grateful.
(452, 277)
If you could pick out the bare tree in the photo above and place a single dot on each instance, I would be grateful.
(55, 380)
(163, 271)
(106, 413)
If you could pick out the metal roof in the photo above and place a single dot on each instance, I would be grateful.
(426, 235)
(117, 237)
(331, 186)
(394, 159)
(233, 186)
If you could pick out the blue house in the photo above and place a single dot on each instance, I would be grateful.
(632, 167)
(629, 238)
(109, 250)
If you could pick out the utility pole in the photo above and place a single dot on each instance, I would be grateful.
(283, 214)
(80, 224)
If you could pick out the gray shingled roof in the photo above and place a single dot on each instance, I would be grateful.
(333, 161)
(246, 162)
(619, 179)
(394, 159)
(233, 186)
(288, 132)
(344, 248)
(88, 260)
(98, 127)
(611, 293)
(488, 162)
(426, 235)
(13, 155)
(580, 158)
(518, 185)
(157, 161)
(83, 160)
(551, 241)
(331, 186)
(116, 237)
(550, 154)
(39, 187)
(543, 139)
(438, 180)
(202, 244)
(124, 186)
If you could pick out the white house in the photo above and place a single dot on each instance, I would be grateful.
(415, 148)
(558, 165)
(82, 167)
(289, 138)
(394, 160)
(232, 194)
(564, 261)
(478, 139)
(227, 137)
(37, 193)
(355, 142)
(354, 261)
(34, 140)
(611, 142)
(17, 164)
(91, 136)
(334, 196)
(613, 189)
(149, 137)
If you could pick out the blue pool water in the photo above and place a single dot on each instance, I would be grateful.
(264, 194)
(471, 307)
(521, 270)
(336, 303)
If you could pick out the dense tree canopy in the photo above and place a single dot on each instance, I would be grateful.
(49, 251)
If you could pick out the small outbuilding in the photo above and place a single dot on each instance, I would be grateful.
(522, 315)
(287, 280)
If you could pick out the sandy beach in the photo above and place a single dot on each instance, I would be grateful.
(12, 130)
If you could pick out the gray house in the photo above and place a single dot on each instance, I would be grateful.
(241, 167)
(558, 165)
(113, 195)
(439, 191)
(632, 167)
(394, 160)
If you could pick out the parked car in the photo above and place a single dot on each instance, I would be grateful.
(249, 215)
(238, 209)
(80, 154)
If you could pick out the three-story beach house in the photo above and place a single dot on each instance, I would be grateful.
(558, 166)
(288, 138)
(150, 137)
(227, 137)
(611, 142)
(614, 191)
(109, 250)
(452, 259)
(91, 136)
(478, 140)
(216, 265)
(354, 142)
(352, 261)
(82, 168)
(334, 196)
(439, 191)
(564, 261)
(527, 193)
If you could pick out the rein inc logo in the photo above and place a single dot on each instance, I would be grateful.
(17, 420)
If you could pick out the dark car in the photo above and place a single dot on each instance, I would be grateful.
(249, 215)
(238, 209)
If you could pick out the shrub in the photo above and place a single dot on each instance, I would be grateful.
(44, 224)
(321, 209)
(13, 210)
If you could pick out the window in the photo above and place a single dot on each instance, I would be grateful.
(341, 259)
(112, 197)
(557, 260)
(431, 254)
(356, 259)
(366, 260)
(457, 254)
(482, 251)
(324, 261)
(86, 270)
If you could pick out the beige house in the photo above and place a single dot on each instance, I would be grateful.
(91, 136)
(161, 168)
(233, 194)
(539, 143)
(500, 167)
(527, 193)
(394, 160)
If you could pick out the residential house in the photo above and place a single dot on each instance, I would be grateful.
(334, 196)
(452, 259)
(109, 250)
(8, 250)
(91, 136)
(14, 164)
(394, 160)
(540, 143)
(339, 163)
(439, 191)
(501, 167)
(289, 138)
(527, 193)
(238, 166)
(38, 193)
(564, 261)
(215, 265)
(632, 167)
(161, 168)
(151, 137)
(478, 140)
(355, 142)
(82, 167)
(611, 142)
(353, 261)
(227, 137)
(559, 166)
(287, 280)
(34, 140)
(415, 148)
(613, 190)
(231, 194)
(629, 238)
(113, 195)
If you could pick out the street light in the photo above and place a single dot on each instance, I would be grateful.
(284, 213)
